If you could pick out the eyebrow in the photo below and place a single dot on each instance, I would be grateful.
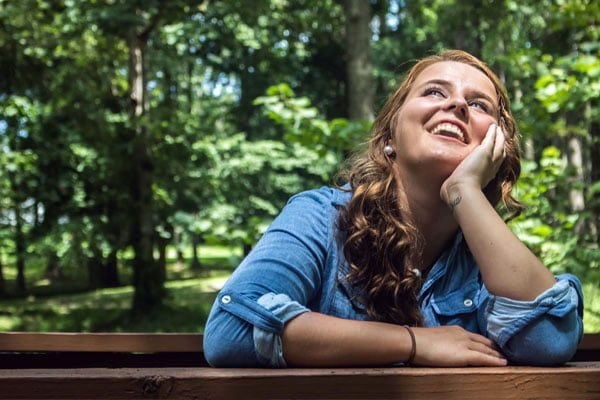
(446, 83)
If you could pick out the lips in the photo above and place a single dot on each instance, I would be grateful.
(450, 129)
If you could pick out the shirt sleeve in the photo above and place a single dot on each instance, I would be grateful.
(274, 284)
(545, 331)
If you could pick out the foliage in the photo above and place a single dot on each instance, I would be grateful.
(302, 124)
(547, 224)
(245, 106)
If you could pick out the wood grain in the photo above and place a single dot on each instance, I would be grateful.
(573, 381)
(169, 366)
(101, 342)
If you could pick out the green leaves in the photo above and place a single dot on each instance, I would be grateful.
(572, 81)
(547, 225)
(246, 106)
(303, 125)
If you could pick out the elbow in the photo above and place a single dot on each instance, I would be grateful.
(216, 353)
(553, 353)
(546, 343)
(228, 343)
(220, 353)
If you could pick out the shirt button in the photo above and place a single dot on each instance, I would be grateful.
(226, 299)
(468, 302)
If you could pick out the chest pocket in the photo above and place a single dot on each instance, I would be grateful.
(458, 307)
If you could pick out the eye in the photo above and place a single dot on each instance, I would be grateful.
(480, 105)
(434, 91)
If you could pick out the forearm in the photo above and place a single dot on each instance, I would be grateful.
(508, 267)
(319, 340)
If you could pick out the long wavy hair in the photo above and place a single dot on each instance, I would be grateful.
(383, 250)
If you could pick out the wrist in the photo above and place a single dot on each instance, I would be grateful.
(413, 345)
(453, 193)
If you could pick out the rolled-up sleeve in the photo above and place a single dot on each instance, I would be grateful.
(545, 331)
(273, 285)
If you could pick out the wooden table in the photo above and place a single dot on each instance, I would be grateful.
(159, 366)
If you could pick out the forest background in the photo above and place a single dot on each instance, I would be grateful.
(146, 144)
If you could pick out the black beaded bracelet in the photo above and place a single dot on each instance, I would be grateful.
(413, 350)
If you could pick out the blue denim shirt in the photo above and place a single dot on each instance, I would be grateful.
(299, 266)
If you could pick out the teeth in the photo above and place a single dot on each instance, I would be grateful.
(448, 128)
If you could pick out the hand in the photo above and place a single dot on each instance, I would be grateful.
(478, 168)
(453, 346)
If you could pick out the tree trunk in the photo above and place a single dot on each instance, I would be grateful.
(177, 241)
(162, 257)
(359, 68)
(2, 281)
(20, 249)
(53, 271)
(196, 264)
(148, 282)
(94, 267)
(110, 275)
(246, 249)
(595, 176)
(575, 158)
(190, 83)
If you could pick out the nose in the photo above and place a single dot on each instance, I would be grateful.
(459, 106)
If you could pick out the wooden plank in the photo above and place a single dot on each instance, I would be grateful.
(574, 381)
(74, 359)
(138, 342)
(101, 342)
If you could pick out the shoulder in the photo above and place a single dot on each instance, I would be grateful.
(326, 196)
(311, 213)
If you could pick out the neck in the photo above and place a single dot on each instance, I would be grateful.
(420, 203)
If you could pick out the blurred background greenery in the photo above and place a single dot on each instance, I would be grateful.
(145, 145)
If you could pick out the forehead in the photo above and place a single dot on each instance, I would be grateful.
(458, 74)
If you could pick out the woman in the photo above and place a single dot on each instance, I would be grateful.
(409, 262)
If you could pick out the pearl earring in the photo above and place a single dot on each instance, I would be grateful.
(388, 150)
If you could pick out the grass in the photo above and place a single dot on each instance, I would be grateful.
(107, 310)
(67, 306)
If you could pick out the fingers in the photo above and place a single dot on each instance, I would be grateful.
(483, 349)
(490, 138)
(482, 339)
(499, 139)
(481, 359)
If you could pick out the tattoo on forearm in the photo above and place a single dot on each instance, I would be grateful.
(454, 202)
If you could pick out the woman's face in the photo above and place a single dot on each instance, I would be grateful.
(445, 116)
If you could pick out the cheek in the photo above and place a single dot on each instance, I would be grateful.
(481, 126)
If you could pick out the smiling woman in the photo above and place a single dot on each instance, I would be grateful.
(408, 261)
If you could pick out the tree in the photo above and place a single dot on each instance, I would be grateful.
(359, 69)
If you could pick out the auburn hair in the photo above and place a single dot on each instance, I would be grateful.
(383, 250)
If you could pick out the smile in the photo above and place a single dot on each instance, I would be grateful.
(450, 130)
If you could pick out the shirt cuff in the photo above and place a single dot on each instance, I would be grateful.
(267, 344)
(506, 317)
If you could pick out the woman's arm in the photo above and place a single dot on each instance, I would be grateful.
(508, 267)
(319, 340)
(532, 317)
